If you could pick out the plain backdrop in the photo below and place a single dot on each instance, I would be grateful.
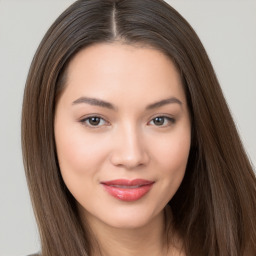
(227, 29)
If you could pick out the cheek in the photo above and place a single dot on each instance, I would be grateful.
(75, 149)
(172, 156)
(80, 161)
(79, 157)
(173, 151)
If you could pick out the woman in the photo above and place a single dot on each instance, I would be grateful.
(128, 143)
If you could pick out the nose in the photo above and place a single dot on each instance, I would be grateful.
(129, 150)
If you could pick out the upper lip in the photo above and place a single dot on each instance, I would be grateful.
(126, 182)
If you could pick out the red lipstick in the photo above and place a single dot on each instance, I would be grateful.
(128, 190)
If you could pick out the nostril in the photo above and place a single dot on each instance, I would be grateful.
(129, 160)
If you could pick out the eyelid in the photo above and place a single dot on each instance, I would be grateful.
(170, 119)
(86, 118)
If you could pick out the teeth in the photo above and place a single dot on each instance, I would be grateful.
(120, 186)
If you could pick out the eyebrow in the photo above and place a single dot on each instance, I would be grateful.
(164, 102)
(105, 104)
(94, 102)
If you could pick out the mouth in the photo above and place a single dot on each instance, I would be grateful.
(128, 190)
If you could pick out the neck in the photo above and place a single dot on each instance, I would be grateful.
(146, 240)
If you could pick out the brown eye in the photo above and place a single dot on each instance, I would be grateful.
(162, 121)
(93, 121)
(159, 121)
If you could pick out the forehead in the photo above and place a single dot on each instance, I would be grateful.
(118, 70)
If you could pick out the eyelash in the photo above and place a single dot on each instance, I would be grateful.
(166, 119)
(86, 121)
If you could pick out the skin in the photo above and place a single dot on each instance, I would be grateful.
(126, 143)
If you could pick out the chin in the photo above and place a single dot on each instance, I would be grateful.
(128, 223)
(133, 218)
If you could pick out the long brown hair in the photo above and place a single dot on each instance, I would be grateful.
(215, 207)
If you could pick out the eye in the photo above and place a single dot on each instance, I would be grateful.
(93, 121)
(162, 121)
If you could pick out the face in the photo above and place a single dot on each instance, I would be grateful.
(122, 132)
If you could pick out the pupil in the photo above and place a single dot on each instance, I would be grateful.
(94, 120)
(159, 121)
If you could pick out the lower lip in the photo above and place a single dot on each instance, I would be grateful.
(128, 194)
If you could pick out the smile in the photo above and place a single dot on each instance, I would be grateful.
(128, 190)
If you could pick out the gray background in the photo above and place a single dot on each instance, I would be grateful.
(227, 29)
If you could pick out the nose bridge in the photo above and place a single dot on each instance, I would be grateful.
(129, 148)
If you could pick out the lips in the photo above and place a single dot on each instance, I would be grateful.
(128, 190)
